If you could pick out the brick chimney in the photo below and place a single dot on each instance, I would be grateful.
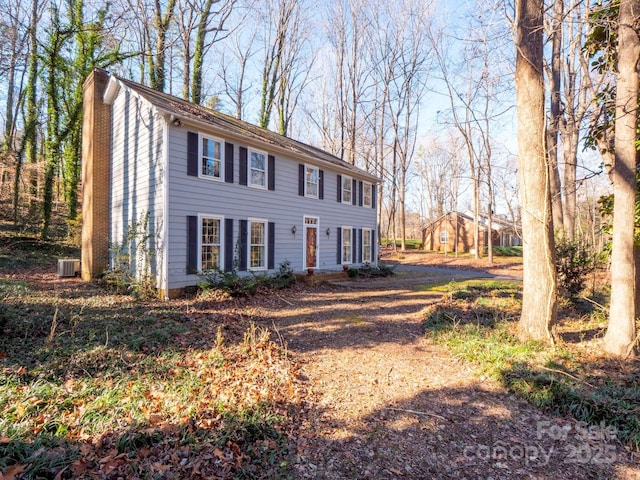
(96, 159)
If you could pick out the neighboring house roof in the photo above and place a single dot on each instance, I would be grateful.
(186, 111)
(497, 222)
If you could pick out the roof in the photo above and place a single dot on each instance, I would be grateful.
(497, 222)
(190, 111)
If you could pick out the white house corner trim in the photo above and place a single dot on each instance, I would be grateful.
(164, 274)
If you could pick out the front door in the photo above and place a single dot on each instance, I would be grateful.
(311, 242)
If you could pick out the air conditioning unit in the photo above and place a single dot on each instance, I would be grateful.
(68, 267)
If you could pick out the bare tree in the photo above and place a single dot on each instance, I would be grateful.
(438, 159)
(539, 302)
(621, 331)
(282, 14)
(234, 70)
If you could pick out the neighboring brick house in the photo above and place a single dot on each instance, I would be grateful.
(217, 192)
(453, 232)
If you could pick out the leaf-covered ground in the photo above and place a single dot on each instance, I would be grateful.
(311, 382)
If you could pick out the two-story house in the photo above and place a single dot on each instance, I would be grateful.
(211, 191)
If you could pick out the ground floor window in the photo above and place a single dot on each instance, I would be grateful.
(444, 236)
(210, 238)
(257, 244)
(366, 245)
(347, 243)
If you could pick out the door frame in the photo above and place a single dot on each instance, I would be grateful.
(305, 227)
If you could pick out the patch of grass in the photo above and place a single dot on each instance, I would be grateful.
(508, 251)
(411, 244)
(478, 323)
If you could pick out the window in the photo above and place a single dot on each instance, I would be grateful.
(444, 236)
(311, 182)
(257, 169)
(257, 244)
(366, 245)
(366, 200)
(211, 163)
(210, 243)
(347, 242)
(346, 189)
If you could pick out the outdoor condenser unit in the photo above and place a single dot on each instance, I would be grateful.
(68, 267)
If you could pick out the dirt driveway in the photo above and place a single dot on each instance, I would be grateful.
(387, 403)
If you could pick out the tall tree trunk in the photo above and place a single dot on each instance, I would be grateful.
(621, 331)
(539, 302)
(158, 61)
(30, 140)
(555, 114)
(198, 54)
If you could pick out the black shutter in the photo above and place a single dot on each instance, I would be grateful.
(339, 188)
(271, 173)
(374, 195)
(360, 192)
(271, 246)
(243, 165)
(192, 244)
(192, 154)
(301, 180)
(228, 162)
(360, 243)
(354, 191)
(374, 247)
(228, 244)
(354, 244)
(242, 236)
(339, 247)
(321, 184)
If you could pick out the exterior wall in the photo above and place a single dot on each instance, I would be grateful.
(191, 195)
(464, 235)
(137, 181)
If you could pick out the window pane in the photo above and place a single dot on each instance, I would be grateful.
(257, 178)
(257, 161)
(367, 194)
(210, 241)
(346, 245)
(257, 245)
(346, 189)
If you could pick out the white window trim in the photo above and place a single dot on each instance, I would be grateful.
(306, 190)
(265, 245)
(370, 259)
(350, 261)
(201, 137)
(345, 177)
(266, 169)
(304, 238)
(370, 185)
(202, 216)
(446, 236)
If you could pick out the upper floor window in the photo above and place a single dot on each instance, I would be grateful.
(211, 164)
(346, 189)
(311, 182)
(257, 169)
(366, 194)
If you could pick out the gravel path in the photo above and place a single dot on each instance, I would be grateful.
(387, 403)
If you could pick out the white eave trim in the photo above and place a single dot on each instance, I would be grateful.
(112, 90)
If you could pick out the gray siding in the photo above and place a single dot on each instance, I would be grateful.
(137, 176)
(192, 196)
